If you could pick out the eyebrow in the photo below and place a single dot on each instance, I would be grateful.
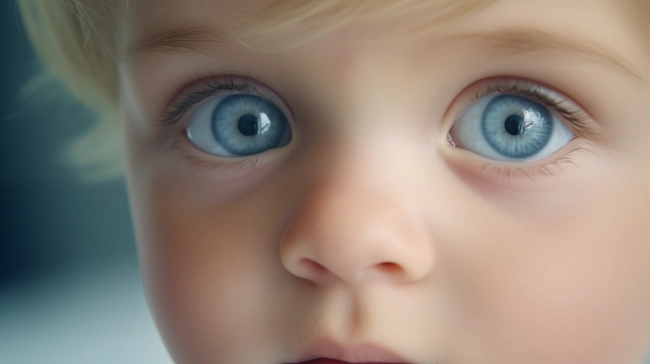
(185, 39)
(200, 39)
(531, 41)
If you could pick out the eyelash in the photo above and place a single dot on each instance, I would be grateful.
(211, 86)
(577, 119)
(190, 97)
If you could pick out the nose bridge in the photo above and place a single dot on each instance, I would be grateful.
(352, 227)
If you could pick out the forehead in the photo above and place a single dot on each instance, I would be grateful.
(206, 26)
(264, 17)
(313, 17)
(294, 11)
(295, 8)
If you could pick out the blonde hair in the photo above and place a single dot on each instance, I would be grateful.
(76, 41)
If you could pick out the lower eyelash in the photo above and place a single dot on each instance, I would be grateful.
(563, 165)
(578, 121)
(209, 167)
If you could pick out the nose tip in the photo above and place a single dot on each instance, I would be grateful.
(351, 234)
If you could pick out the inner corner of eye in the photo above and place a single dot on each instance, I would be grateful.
(450, 139)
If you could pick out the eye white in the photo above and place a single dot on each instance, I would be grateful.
(199, 129)
(467, 133)
(238, 125)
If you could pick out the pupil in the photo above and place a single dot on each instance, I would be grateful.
(248, 125)
(513, 125)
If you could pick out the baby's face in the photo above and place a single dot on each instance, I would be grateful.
(397, 189)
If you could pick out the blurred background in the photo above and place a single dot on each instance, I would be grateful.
(70, 289)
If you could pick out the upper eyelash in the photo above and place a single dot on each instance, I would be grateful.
(208, 87)
(212, 86)
(576, 116)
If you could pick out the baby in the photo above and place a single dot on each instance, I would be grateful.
(408, 181)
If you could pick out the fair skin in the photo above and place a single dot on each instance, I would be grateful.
(369, 227)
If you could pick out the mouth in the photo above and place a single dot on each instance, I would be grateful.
(328, 352)
(334, 361)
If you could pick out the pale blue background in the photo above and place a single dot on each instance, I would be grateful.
(70, 290)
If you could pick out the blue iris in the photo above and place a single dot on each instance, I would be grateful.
(247, 124)
(515, 126)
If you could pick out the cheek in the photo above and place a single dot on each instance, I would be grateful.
(571, 287)
(208, 269)
(574, 306)
(210, 264)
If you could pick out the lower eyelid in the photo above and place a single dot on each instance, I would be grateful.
(187, 161)
(554, 168)
(182, 152)
(521, 175)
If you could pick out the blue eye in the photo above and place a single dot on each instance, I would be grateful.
(238, 125)
(510, 128)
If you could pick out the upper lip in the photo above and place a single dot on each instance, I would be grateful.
(364, 353)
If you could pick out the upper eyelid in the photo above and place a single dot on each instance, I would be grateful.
(574, 114)
(186, 98)
(199, 91)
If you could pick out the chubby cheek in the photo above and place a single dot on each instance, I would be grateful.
(210, 265)
(568, 287)
(211, 271)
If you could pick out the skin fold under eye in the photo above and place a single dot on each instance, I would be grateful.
(238, 125)
(509, 126)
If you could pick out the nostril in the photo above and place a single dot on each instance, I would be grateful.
(390, 268)
(312, 266)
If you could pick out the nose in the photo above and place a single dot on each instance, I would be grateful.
(346, 231)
